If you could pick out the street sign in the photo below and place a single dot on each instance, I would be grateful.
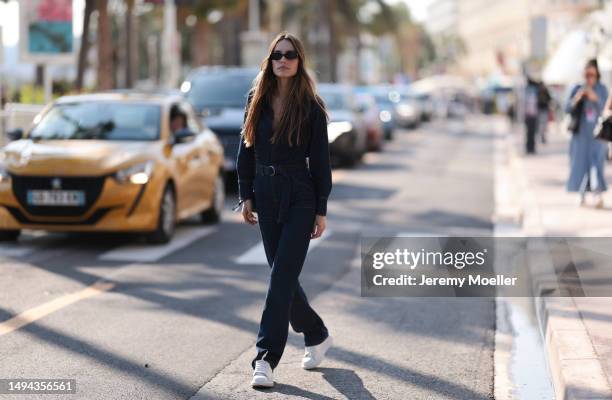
(46, 31)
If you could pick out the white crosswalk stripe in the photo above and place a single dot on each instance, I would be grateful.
(151, 253)
(13, 250)
(419, 234)
(257, 254)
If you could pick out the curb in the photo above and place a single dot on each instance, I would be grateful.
(576, 370)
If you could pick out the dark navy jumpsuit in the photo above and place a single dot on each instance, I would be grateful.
(288, 192)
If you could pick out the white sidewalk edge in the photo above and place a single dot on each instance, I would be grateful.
(575, 367)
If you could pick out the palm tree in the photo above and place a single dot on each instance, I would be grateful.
(130, 48)
(339, 20)
(202, 31)
(82, 61)
(105, 48)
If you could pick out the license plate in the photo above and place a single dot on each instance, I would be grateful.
(56, 197)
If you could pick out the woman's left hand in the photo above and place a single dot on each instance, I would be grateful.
(319, 227)
(592, 95)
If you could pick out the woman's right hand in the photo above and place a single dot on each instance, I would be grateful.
(247, 212)
(578, 96)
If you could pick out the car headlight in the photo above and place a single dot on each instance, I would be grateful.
(405, 110)
(385, 116)
(185, 86)
(335, 129)
(138, 174)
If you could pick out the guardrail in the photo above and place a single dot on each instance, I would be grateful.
(17, 115)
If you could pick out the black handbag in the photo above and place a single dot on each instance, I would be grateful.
(603, 130)
(575, 114)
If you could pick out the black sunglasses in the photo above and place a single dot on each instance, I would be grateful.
(290, 55)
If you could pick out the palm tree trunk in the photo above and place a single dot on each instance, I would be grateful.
(332, 44)
(82, 62)
(199, 43)
(105, 48)
(129, 44)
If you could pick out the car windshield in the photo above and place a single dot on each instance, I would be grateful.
(382, 99)
(99, 121)
(334, 100)
(220, 91)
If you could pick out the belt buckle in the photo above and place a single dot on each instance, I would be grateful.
(273, 169)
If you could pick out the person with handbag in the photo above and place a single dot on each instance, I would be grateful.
(587, 155)
(283, 164)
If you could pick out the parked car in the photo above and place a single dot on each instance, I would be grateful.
(457, 106)
(385, 99)
(371, 115)
(408, 109)
(129, 162)
(219, 96)
(427, 106)
(347, 130)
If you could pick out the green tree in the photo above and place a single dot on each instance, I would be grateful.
(200, 39)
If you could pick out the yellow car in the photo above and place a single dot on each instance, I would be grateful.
(113, 161)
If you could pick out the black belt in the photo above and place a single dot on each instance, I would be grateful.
(284, 174)
(279, 169)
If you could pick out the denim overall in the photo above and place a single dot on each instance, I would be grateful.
(288, 193)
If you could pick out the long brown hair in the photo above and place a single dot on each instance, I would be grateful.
(295, 109)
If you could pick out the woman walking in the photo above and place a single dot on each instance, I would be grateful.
(284, 171)
(587, 155)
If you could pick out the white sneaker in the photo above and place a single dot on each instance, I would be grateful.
(313, 356)
(262, 375)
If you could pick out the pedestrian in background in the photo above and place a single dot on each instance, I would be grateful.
(531, 114)
(587, 155)
(285, 124)
(544, 101)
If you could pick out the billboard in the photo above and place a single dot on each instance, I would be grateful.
(46, 31)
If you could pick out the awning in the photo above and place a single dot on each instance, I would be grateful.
(567, 62)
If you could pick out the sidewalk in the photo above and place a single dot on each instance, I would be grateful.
(577, 331)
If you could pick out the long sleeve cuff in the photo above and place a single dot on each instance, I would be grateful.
(321, 206)
(245, 189)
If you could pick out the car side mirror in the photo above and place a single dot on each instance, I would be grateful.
(15, 134)
(183, 135)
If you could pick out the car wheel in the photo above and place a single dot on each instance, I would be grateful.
(9, 236)
(213, 214)
(166, 221)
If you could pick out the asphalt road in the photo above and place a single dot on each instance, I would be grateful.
(130, 321)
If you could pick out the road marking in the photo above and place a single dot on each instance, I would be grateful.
(36, 313)
(257, 254)
(151, 253)
(15, 250)
(419, 234)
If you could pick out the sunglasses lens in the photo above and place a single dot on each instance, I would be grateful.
(277, 55)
